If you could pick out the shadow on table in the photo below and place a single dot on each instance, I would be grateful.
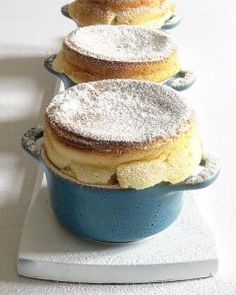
(17, 169)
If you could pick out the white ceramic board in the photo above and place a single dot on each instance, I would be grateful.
(185, 250)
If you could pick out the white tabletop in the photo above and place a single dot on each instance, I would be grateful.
(30, 30)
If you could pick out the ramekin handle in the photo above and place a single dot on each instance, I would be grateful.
(30, 142)
(172, 22)
(66, 80)
(64, 11)
(205, 177)
(181, 81)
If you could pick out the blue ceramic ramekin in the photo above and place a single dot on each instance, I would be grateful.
(183, 80)
(113, 214)
(171, 23)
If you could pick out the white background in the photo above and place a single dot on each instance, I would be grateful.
(29, 30)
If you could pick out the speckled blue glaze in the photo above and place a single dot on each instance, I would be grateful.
(111, 214)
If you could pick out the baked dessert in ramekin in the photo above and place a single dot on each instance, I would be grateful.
(130, 133)
(118, 52)
(152, 13)
(117, 156)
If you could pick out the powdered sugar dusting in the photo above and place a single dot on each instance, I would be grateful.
(125, 111)
(211, 167)
(121, 43)
(142, 10)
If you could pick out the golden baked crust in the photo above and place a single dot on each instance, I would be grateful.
(78, 144)
(144, 12)
(82, 67)
(139, 169)
(85, 69)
